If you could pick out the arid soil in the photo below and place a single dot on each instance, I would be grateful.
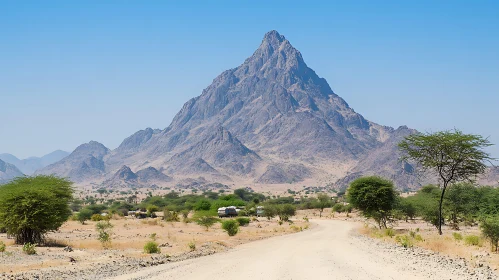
(126, 253)
(332, 250)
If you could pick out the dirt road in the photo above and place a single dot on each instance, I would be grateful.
(328, 251)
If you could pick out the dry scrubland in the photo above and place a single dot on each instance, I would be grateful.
(129, 235)
(466, 243)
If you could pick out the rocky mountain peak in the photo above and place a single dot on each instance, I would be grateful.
(125, 173)
(93, 148)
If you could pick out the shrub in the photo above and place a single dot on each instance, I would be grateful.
(472, 240)
(29, 249)
(203, 204)
(151, 247)
(243, 221)
(207, 221)
(412, 234)
(338, 208)
(171, 216)
(418, 238)
(457, 236)
(490, 229)
(2, 247)
(104, 230)
(285, 211)
(192, 246)
(390, 232)
(98, 218)
(185, 214)
(231, 227)
(84, 215)
(270, 211)
(404, 240)
(151, 209)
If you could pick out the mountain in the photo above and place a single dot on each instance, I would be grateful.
(125, 178)
(8, 172)
(271, 120)
(85, 163)
(30, 165)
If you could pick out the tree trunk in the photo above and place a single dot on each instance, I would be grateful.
(440, 209)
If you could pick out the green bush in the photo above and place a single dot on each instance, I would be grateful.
(390, 232)
(104, 230)
(457, 236)
(404, 240)
(2, 247)
(338, 208)
(231, 227)
(171, 216)
(84, 215)
(473, 240)
(98, 218)
(243, 221)
(29, 249)
(206, 221)
(490, 229)
(203, 204)
(192, 246)
(151, 247)
(418, 238)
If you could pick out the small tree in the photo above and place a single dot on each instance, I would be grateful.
(207, 221)
(104, 230)
(453, 155)
(269, 211)
(285, 211)
(32, 206)
(323, 201)
(84, 215)
(490, 229)
(231, 227)
(374, 196)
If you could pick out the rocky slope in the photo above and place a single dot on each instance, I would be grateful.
(8, 172)
(30, 165)
(85, 163)
(271, 120)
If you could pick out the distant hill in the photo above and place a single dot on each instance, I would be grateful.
(8, 172)
(30, 165)
(85, 163)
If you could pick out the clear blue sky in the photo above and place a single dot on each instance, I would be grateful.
(75, 71)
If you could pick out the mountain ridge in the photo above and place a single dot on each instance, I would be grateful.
(271, 120)
(29, 165)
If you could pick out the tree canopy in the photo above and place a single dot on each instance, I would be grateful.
(374, 196)
(32, 206)
(452, 155)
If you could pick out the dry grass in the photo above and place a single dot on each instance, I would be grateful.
(445, 244)
(128, 238)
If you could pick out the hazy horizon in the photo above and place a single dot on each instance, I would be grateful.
(79, 71)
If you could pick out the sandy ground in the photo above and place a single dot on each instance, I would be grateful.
(331, 250)
(126, 252)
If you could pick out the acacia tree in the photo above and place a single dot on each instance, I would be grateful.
(374, 196)
(32, 206)
(453, 155)
(323, 201)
